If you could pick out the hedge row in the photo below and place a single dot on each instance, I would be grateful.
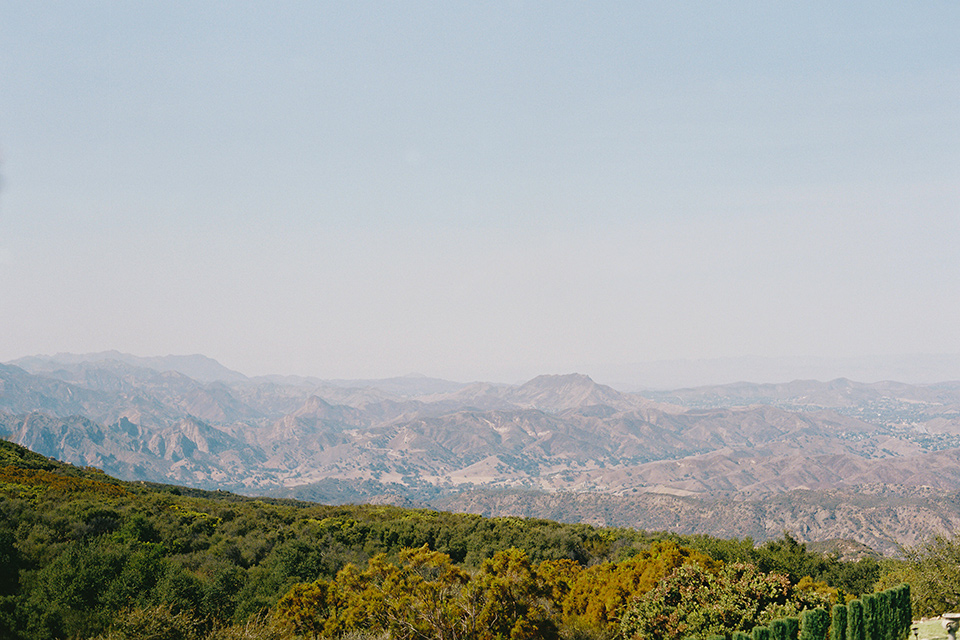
(876, 616)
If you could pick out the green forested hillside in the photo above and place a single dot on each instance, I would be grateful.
(84, 555)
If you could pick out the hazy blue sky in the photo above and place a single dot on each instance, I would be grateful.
(479, 190)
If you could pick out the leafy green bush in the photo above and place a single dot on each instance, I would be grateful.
(930, 569)
(693, 602)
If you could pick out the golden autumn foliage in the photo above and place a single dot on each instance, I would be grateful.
(51, 481)
(600, 593)
(424, 595)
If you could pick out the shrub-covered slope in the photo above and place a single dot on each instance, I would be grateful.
(84, 554)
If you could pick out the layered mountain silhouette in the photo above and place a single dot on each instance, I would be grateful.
(191, 421)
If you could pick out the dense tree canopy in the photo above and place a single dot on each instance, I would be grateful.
(85, 555)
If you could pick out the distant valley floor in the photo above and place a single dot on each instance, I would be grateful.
(877, 463)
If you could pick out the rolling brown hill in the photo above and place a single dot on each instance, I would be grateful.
(877, 516)
(664, 457)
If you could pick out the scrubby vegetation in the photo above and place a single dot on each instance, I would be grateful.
(83, 555)
(931, 569)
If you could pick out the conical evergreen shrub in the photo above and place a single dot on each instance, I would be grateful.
(906, 611)
(814, 624)
(855, 628)
(778, 629)
(870, 623)
(793, 628)
(838, 622)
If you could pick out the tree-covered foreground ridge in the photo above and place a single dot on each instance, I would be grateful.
(83, 555)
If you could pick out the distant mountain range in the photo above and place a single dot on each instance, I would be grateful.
(196, 366)
(712, 458)
(668, 374)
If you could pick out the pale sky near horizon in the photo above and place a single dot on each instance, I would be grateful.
(479, 190)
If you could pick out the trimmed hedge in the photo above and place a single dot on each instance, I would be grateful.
(876, 616)
(761, 633)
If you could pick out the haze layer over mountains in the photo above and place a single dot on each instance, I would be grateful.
(878, 462)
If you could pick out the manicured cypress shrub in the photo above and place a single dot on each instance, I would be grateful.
(717, 637)
(855, 628)
(893, 613)
(761, 633)
(878, 628)
(778, 629)
(896, 612)
(793, 628)
(908, 610)
(740, 635)
(814, 624)
(905, 612)
(870, 616)
(898, 617)
(885, 611)
(838, 623)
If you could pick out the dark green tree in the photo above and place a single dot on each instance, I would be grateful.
(853, 578)
(10, 563)
(790, 557)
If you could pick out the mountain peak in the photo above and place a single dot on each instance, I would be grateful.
(199, 367)
(314, 405)
(555, 393)
(549, 379)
